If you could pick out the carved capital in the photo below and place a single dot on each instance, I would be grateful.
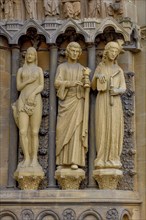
(29, 182)
(107, 178)
(29, 178)
(69, 179)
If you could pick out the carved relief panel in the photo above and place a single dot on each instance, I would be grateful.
(62, 9)
(32, 38)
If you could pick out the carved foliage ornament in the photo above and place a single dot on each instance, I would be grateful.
(27, 214)
(69, 214)
(112, 214)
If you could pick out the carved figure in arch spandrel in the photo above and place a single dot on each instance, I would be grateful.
(71, 8)
(109, 81)
(28, 108)
(72, 85)
(31, 8)
(115, 9)
(94, 8)
(1, 9)
(51, 8)
(7, 9)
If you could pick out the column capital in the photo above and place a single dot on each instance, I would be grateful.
(53, 46)
(15, 46)
(90, 44)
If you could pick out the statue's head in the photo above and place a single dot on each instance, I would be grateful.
(113, 44)
(73, 45)
(117, 46)
(31, 55)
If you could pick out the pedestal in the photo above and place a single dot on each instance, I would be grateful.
(69, 179)
(107, 178)
(29, 178)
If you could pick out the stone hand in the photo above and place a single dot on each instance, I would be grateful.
(78, 83)
(114, 91)
(101, 77)
(86, 71)
(31, 99)
(31, 80)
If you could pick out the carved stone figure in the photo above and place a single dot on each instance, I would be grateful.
(115, 9)
(7, 7)
(28, 107)
(1, 9)
(51, 7)
(94, 8)
(31, 8)
(109, 81)
(72, 83)
(71, 9)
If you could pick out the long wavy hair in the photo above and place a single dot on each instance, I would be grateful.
(108, 46)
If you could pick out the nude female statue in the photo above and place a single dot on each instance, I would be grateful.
(28, 108)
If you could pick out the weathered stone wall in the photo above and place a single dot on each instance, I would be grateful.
(5, 78)
(140, 84)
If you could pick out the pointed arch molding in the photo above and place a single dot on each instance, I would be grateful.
(70, 23)
(52, 29)
(28, 24)
(5, 33)
(110, 22)
(127, 213)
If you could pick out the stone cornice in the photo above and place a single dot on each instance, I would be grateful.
(69, 196)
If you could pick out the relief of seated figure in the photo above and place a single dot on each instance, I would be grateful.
(71, 8)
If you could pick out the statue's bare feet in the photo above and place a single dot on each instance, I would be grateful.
(114, 164)
(34, 163)
(59, 167)
(74, 167)
(25, 163)
(99, 164)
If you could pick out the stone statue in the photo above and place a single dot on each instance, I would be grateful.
(7, 7)
(1, 9)
(72, 84)
(31, 8)
(94, 8)
(28, 108)
(51, 7)
(71, 9)
(115, 9)
(109, 81)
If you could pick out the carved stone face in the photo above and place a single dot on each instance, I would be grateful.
(73, 53)
(112, 53)
(30, 56)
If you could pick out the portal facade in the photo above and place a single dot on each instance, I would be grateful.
(87, 189)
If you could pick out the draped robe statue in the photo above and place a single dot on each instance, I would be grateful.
(109, 80)
(71, 132)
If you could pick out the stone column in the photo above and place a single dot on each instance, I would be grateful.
(13, 128)
(92, 148)
(52, 117)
